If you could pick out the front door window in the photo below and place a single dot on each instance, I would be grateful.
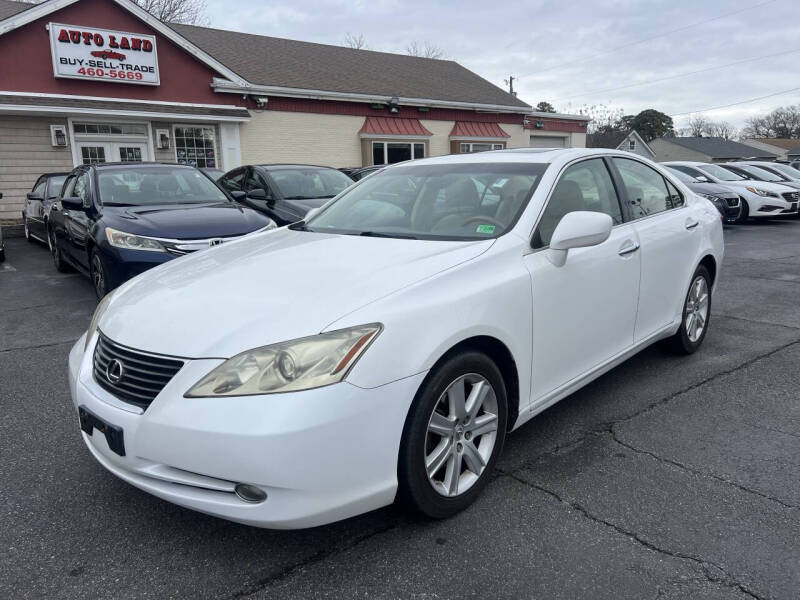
(130, 154)
(92, 154)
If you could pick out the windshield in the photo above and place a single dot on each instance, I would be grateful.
(760, 174)
(306, 183)
(54, 186)
(790, 172)
(144, 186)
(681, 175)
(720, 173)
(451, 201)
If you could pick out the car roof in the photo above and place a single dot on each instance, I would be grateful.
(291, 166)
(134, 165)
(56, 174)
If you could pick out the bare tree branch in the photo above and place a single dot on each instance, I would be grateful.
(191, 12)
(357, 42)
(426, 50)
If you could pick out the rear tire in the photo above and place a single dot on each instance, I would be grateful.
(696, 314)
(58, 258)
(456, 426)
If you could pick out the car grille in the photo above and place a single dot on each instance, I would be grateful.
(732, 201)
(142, 375)
(791, 196)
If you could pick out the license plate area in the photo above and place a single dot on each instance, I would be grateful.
(114, 436)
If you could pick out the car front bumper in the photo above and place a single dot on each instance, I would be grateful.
(770, 207)
(320, 455)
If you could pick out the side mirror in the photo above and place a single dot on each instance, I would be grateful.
(578, 229)
(238, 195)
(73, 203)
(259, 194)
(33, 197)
(311, 213)
(702, 179)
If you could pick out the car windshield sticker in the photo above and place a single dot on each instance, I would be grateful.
(487, 229)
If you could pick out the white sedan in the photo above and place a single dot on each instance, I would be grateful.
(762, 199)
(384, 348)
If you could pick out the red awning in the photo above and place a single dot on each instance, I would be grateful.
(393, 126)
(470, 130)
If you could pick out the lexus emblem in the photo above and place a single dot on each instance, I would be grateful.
(114, 371)
(215, 242)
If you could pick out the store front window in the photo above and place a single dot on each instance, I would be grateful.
(93, 154)
(470, 147)
(195, 146)
(387, 153)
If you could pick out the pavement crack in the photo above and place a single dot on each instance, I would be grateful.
(688, 469)
(755, 321)
(35, 346)
(314, 558)
(713, 572)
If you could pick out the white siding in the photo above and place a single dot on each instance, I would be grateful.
(283, 137)
(439, 142)
(25, 153)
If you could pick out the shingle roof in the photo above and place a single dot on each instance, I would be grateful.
(784, 143)
(716, 147)
(272, 61)
(794, 152)
(8, 9)
(264, 60)
(610, 140)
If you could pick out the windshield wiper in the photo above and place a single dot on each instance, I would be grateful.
(300, 226)
(387, 235)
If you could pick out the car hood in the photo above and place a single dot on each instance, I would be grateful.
(764, 185)
(185, 221)
(267, 288)
(305, 205)
(710, 188)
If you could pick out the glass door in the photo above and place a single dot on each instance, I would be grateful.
(129, 152)
(94, 152)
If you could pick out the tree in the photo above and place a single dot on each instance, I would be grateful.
(357, 42)
(698, 125)
(721, 129)
(603, 118)
(191, 12)
(545, 107)
(783, 122)
(426, 50)
(650, 124)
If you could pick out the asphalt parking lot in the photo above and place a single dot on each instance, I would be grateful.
(669, 477)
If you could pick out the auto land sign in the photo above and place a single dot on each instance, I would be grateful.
(103, 55)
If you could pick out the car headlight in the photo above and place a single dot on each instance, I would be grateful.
(761, 192)
(291, 366)
(98, 313)
(129, 241)
(711, 197)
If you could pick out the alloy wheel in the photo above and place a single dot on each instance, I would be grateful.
(696, 309)
(97, 276)
(461, 435)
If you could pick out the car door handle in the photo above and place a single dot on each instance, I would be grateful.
(633, 247)
(692, 224)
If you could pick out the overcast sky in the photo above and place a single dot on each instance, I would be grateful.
(568, 52)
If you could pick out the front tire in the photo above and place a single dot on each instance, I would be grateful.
(98, 271)
(453, 435)
(696, 314)
(744, 214)
(26, 229)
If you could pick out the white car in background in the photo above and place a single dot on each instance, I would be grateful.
(762, 199)
(384, 348)
(787, 171)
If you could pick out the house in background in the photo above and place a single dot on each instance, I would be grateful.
(793, 154)
(778, 146)
(706, 149)
(630, 141)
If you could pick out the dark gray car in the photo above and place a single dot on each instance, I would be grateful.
(727, 201)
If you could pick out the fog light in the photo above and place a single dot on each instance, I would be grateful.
(250, 493)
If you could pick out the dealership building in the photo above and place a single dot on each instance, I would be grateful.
(104, 81)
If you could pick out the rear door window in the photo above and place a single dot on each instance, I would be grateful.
(647, 189)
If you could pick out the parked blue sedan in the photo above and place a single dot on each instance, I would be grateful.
(113, 221)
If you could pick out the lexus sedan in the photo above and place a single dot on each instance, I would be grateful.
(727, 201)
(383, 348)
(113, 221)
(38, 201)
(762, 199)
(285, 193)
